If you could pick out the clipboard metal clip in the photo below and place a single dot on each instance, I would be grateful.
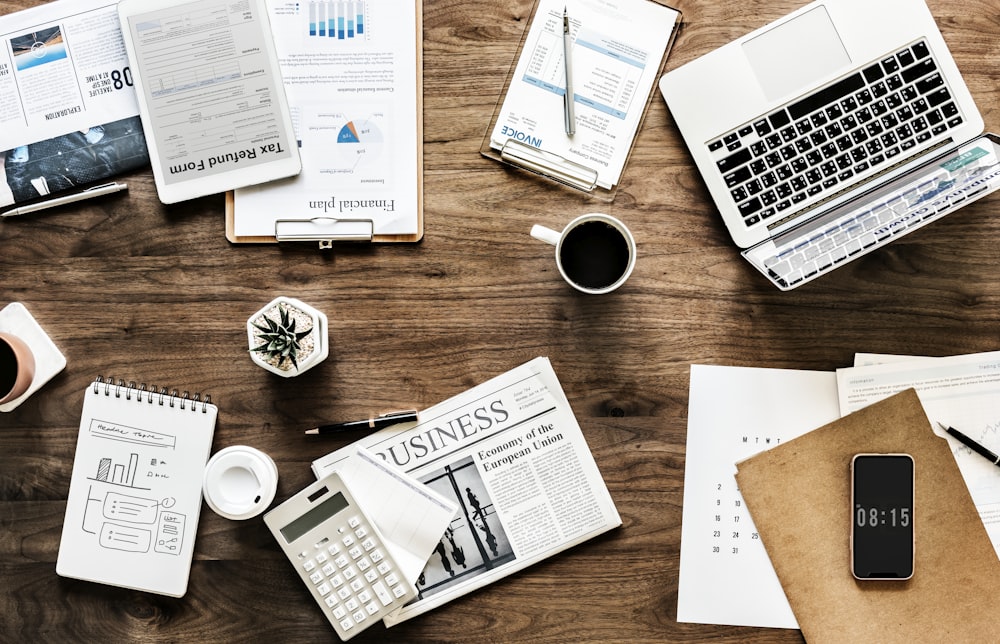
(324, 230)
(549, 165)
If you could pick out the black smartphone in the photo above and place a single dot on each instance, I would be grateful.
(882, 538)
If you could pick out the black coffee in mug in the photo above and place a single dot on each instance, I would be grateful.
(594, 254)
(8, 368)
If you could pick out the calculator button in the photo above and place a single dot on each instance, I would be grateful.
(376, 556)
(346, 623)
(323, 589)
(392, 579)
(384, 567)
(333, 549)
(364, 597)
(316, 577)
(398, 591)
(354, 522)
(336, 581)
(348, 541)
(341, 561)
(344, 592)
(382, 593)
(355, 552)
(361, 533)
(364, 564)
(340, 612)
(321, 557)
(371, 576)
(350, 572)
(328, 569)
(357, 585)
(359, 616)
(331, 601)
(368, 544)
(352, 604)
(309, 566)
(372, 608)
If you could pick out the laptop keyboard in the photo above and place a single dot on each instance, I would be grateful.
(811, 149)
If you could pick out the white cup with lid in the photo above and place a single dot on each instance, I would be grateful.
(240, 482)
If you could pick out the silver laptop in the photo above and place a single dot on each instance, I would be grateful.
(832, 132)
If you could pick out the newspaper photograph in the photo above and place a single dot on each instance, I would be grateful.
(512, 456)
(68, 110)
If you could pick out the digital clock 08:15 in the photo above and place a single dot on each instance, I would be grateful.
(882, 535)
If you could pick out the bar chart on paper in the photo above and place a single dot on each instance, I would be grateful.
(338, 19)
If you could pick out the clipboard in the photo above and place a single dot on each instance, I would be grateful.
(798, 495)
(519, 142)
(324, 220)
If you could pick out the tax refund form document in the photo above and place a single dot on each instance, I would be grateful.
(726, 576)
(617, 52)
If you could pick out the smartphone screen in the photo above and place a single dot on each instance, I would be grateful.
(882, 516)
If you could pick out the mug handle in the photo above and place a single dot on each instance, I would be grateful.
(546, 235)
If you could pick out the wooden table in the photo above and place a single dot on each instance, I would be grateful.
(129, 287)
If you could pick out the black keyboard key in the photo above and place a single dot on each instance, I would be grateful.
(879, 90)
(890, 65)
(739, 194)
(730, 138)
(758, 167)
(843, 162)
(905, 58)
(762, 127)
(919, 70)
(935, 117)
(825, 96)
(767, 212)
(733, 161)
(780, 119)
(803, 145)
(845, 175)
(920, 50)
(773, 159)
(803, 126)
(834, 112)
(754, 187)
(783, 205)
(955, 122)
(714, 145)
(949, 110)
(938, 97)
(813, 176)
(746, 130)
(814, 190)
(758, 148)
(864, 97)
(773, 141)
(784, 172)
(931, 82)
(873, 73)
(829, 183)
(748, 208)
(894, 82)
(738, 177)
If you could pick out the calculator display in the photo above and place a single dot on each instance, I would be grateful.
(314, 517)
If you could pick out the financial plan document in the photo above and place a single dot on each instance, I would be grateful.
(351, 72)
(617, 52)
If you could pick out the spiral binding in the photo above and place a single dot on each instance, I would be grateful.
(163, 395)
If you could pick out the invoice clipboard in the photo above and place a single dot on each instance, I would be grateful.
(617, 54)
(352, 71)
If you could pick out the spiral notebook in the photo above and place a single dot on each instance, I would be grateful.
(135, 491)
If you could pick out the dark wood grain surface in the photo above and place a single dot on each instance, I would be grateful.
(129, 287)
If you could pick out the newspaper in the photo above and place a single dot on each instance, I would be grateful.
(68, 111)
(513, 457)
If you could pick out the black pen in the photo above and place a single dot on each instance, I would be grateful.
(373, 423)
(971, 444)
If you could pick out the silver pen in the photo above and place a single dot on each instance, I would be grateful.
(568, 107)
(89, 193)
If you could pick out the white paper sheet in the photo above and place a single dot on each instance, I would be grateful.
(961, 392)
(726, 576)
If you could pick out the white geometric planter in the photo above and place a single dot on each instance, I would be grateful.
(312, 348)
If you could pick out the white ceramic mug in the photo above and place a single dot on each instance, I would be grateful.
(17, 367)
(595, 253)
(240, 482)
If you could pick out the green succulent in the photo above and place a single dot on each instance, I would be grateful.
(279, 339)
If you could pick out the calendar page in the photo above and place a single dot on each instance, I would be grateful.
(734, 413)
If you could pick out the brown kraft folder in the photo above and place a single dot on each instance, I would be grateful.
(798, 494)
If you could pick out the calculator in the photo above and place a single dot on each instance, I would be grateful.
(340, 556)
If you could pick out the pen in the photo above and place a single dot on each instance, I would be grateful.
(89, 193)
(568, 65)
(375, 422)
(971, 444)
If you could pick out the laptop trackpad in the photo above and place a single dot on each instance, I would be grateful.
(795, 54)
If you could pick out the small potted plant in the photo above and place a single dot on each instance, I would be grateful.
(287, 337)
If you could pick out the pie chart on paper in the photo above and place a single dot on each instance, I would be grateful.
(359, 142)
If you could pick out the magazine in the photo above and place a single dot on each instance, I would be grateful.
(68, 111)
(510, 453)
